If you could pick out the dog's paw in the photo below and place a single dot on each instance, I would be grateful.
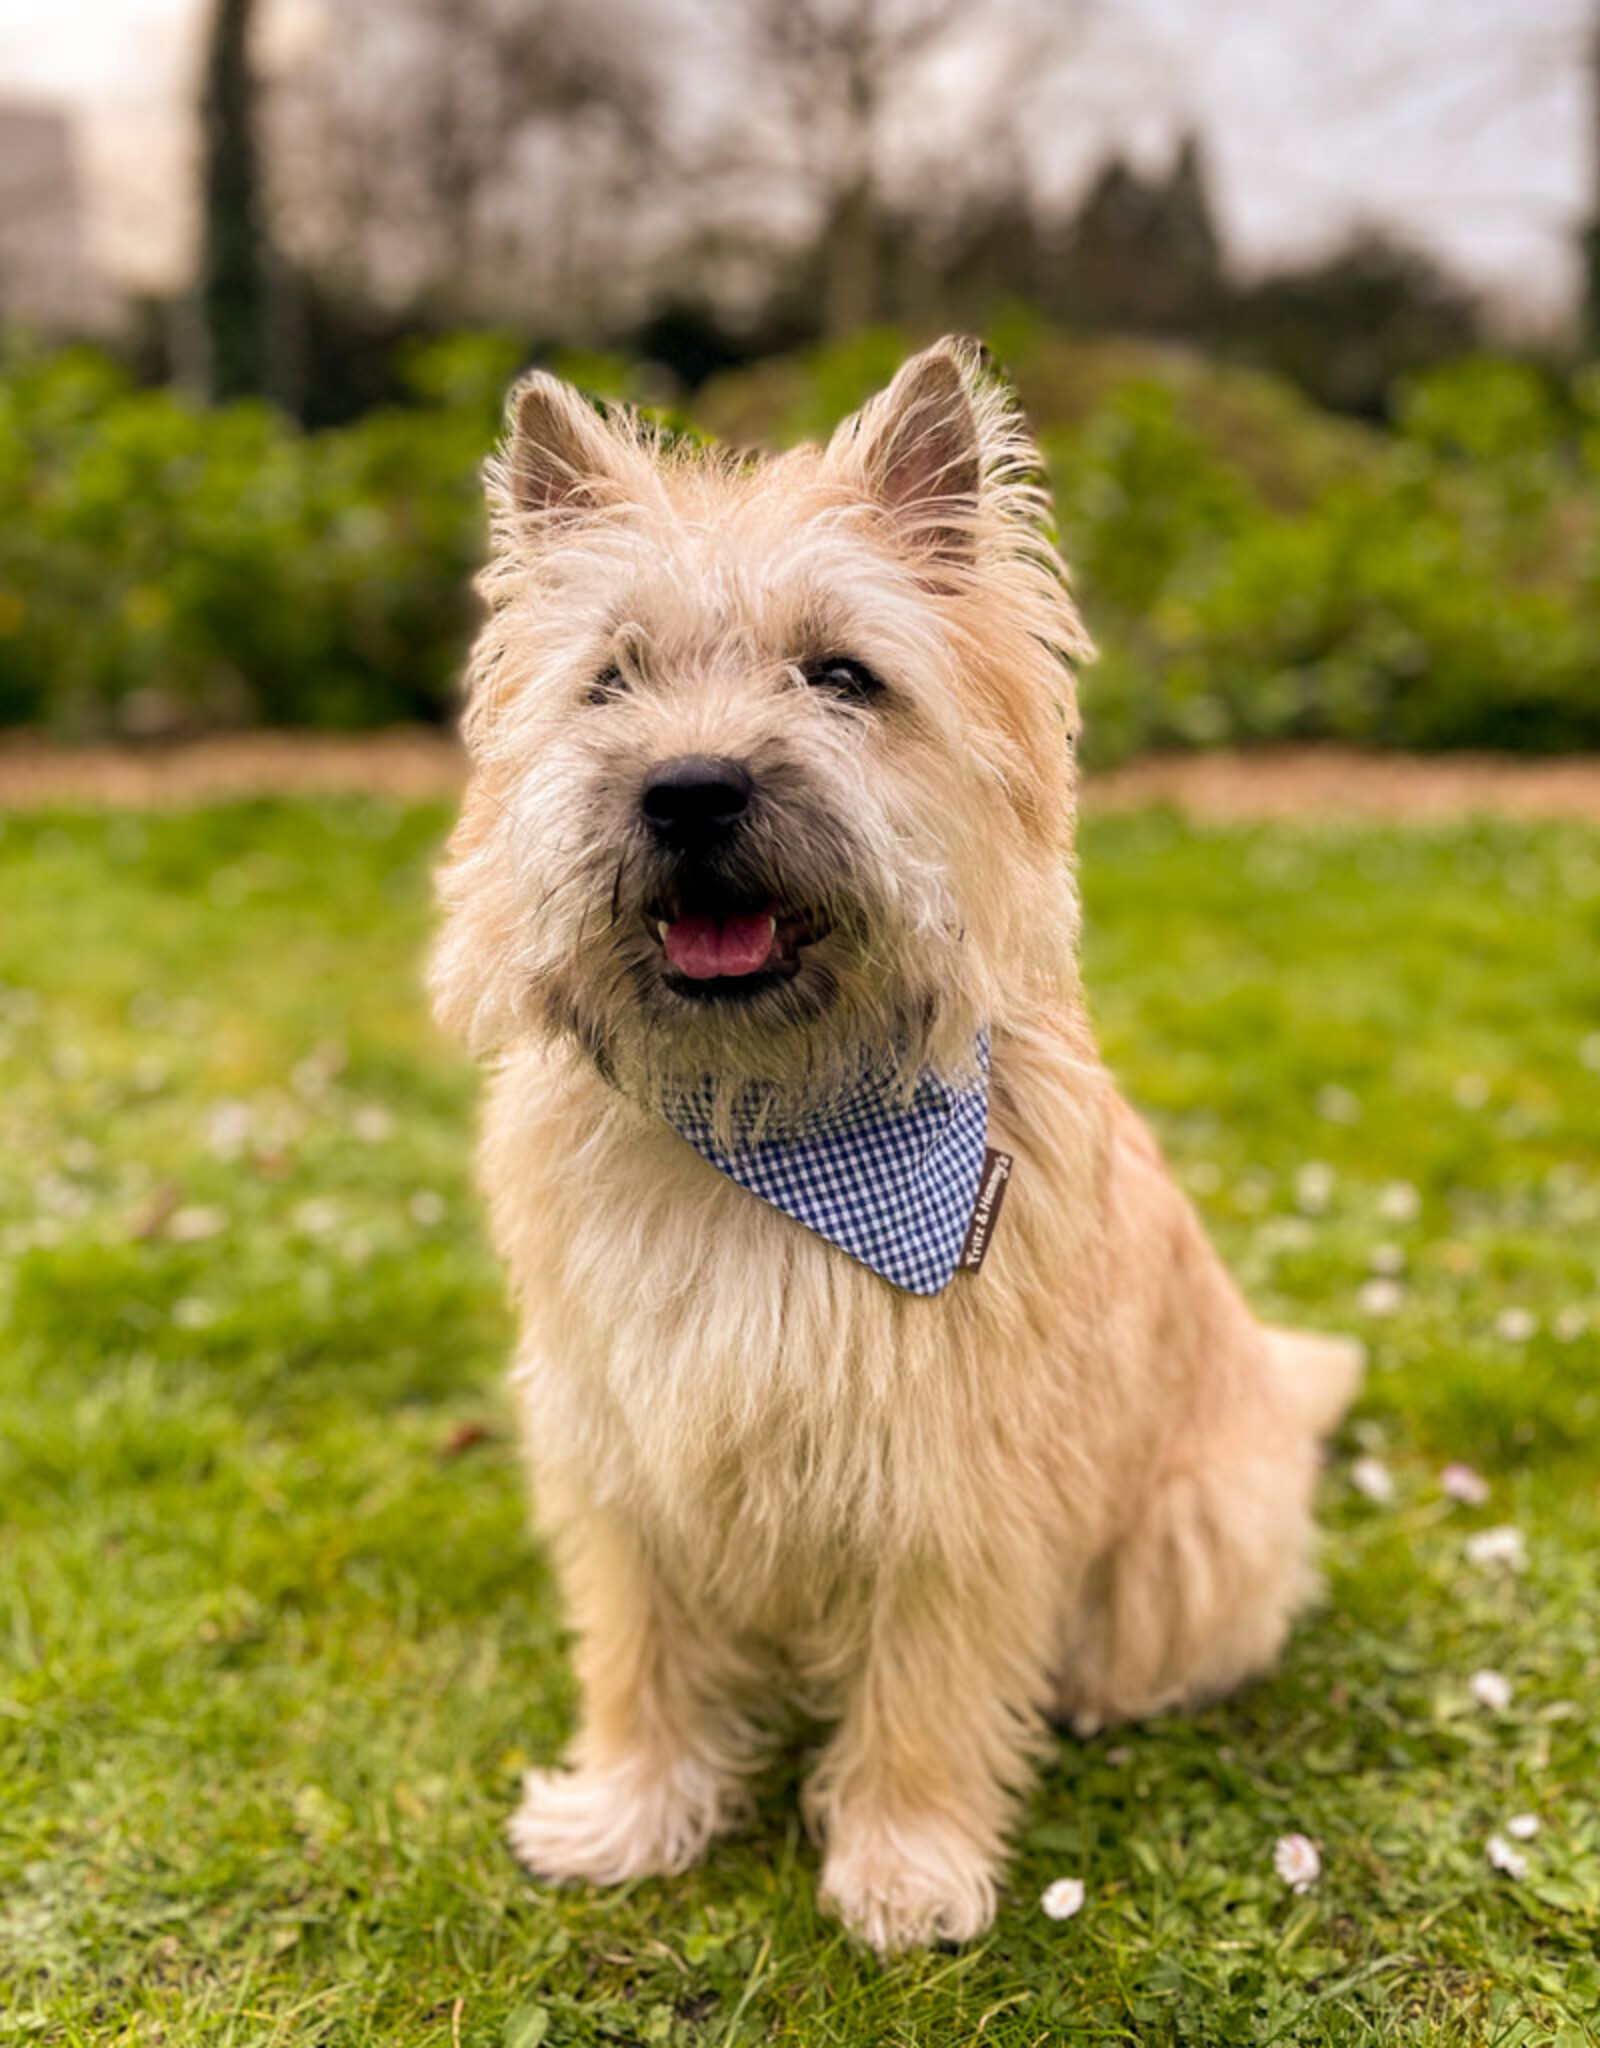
(904, 1887)
(632, 1819)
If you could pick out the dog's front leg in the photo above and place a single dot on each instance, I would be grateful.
(913, 1796)
(659, 1760)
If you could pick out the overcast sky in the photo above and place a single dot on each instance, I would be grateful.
(1462, 121)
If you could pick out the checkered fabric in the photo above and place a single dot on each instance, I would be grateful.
(893, 1184)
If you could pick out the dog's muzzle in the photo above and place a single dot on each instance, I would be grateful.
(725, 930)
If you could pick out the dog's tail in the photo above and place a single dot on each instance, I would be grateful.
(1321, 1374)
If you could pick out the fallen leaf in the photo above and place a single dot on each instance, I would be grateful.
(463, 1437)
(152, 1218)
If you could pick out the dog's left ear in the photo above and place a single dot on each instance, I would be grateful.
(917, 450)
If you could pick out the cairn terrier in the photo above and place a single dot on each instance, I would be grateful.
(766, 861)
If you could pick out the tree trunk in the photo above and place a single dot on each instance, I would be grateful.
(850, 295)
(1589, 231)
(850, 288)
(233, 252)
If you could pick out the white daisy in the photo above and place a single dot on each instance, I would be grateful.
(1502, 1545)
(1491, 1689)
(1461, 1483)
(1399, 1202)
(1372, 1477)
(1297, 1861)
(1504, 1858)
(1063, 1898)
(1382, 1296)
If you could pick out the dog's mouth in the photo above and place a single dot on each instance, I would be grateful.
(730, 953)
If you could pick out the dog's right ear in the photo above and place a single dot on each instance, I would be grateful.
(559, 455)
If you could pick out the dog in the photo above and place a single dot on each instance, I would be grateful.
(770, 816)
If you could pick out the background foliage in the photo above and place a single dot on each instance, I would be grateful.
(1253, 567)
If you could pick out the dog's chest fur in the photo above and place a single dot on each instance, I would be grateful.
(760, 1403)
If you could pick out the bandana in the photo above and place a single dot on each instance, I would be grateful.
(892, 1182)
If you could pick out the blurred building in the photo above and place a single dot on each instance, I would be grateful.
(47, 282)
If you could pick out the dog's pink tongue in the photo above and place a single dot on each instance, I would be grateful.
(705, 947)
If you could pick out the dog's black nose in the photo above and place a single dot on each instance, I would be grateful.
(695, 798)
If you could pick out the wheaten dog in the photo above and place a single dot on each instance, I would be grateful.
(773, 775)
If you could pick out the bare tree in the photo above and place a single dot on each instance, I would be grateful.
(882, 107)
(576, 165)
(477, 154)
(838, 65)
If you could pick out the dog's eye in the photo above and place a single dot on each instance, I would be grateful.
(606, 687)
(843, 677)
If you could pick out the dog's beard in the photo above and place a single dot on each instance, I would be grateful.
(841, 989)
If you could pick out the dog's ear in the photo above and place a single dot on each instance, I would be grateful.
(559, 455)
(915, 450)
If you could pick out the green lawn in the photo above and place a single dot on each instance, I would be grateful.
(276, 1645)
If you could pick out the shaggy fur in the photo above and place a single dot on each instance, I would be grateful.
(1075, 1485)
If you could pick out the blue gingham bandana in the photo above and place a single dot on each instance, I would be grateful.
(891, 1182)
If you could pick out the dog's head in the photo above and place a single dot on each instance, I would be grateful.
(771, 757)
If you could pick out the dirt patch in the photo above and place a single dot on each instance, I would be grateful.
(1332, 782)
(413, 763)
(410, 762)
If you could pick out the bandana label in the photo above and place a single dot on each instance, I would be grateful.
(992, 1184)
(907, 1188)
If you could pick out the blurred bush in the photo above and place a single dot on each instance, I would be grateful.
(1439, 591)
(164, 567)
(1253, 568)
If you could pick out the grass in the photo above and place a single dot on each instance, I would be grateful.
(276, 1645)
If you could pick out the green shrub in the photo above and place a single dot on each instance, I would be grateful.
(1442, 593)
(161, 565)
